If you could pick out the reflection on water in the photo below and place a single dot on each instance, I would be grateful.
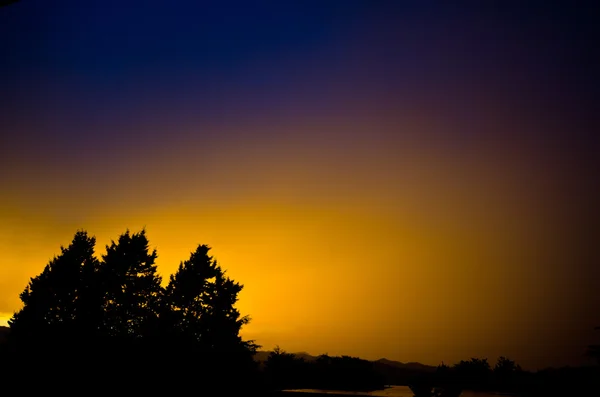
(392, 391)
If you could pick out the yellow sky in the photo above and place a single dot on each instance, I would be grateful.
(410, 252)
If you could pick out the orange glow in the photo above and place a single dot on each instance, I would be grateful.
(405, 251)
(385, 179)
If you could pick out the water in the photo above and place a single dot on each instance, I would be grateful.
(393, 391)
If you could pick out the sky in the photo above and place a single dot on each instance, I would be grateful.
(409, 180)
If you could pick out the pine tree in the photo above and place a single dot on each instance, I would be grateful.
(132, 286)
(52, 305)
(87, 313)
(201, 300)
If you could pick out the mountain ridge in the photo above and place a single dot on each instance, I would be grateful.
(262, 355)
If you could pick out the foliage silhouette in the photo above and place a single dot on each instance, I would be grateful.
(131, 287)
(506, 367)
(507, 374)
(474, 374)
(57, 301)
(593, 351)
(287, 371)
(110, 323)
(201, 302)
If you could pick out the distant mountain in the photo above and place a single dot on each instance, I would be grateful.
(410, 365)
(398, 373)
(262, 355)
(305, 356)
(394, 372)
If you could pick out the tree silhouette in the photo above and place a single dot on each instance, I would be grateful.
(351, 373)
(474, 365)
(50, 325)
(201, 302)
(473, 374)
(505, 366)
(199, 315)
(285, 370)
(132, 286)
(443, 373)
(54, 301)
(111, 323)
(507, 374)
(593, 351)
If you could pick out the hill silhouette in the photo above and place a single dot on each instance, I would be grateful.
(393, 372)
(390, 372)
(410, 365)
(262, 355)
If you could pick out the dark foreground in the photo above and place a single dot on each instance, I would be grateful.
(116, 369)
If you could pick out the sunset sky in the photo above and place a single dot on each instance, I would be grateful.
(392, 179)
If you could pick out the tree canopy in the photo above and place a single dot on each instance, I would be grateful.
(116, 306)
(594, 350)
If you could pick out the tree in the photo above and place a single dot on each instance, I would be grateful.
(201, 304)
(474, 374)
(132, 287)
(52, 301)
(351, 373)
(48, 326)
(202, 323)
(113, 314)
(474, 366)
(593, 351)
(284, 370)
(507, 374)
(443, 372)
(506, 367)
